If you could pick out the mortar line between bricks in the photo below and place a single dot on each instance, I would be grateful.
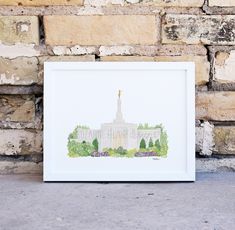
(35, 158)
(99, 10)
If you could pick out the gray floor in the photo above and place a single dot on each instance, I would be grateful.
(28, 203)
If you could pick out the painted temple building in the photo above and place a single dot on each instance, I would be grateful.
(118, 133)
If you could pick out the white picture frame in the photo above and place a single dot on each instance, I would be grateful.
(165, 90)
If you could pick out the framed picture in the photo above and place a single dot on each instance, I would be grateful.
(119, 121)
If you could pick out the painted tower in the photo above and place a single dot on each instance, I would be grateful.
(118, 133)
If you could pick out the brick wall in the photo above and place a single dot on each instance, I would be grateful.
(33, 31)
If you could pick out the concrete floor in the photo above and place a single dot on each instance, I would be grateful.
(26, 203)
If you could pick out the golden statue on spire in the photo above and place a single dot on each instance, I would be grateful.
(119, 93)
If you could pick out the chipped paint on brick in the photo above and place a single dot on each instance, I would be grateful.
(221, 57)
(22, 29)
(20, 142)
(224, 67)
(204, 139)
(19, 71)
(74, 50)
(18, 50)
(115, 50)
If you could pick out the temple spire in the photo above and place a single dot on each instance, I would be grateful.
(119, 93)
(119, 117)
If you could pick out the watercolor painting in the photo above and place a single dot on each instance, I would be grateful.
(119, 121)
(118, 139)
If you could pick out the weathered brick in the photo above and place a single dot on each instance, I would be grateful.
(20, 167)
(20, 142)
(17, 108)
(195, 29)
(205, 139)
(100, 30)
(226, 3)
(39, 2)
(126, 58)
(23, 119)
(19, 71)
(201, 62)
(224, 66)
(215, 139)
(18, 50)
(224, 138)
(175, 3)
(22, 29)
(218, 106)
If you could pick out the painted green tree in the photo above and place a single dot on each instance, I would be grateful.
(74, 134)
(142, 144)
(95, 143)
(158, 145)
(163, 143)
(150, 143)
